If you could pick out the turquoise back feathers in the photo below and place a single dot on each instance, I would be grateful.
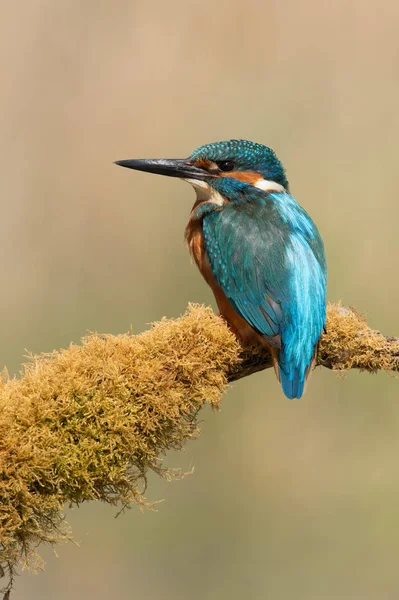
(267, 255)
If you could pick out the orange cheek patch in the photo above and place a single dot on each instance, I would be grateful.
(202, 163)
(250, 177)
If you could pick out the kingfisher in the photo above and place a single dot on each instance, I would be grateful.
(258, 250)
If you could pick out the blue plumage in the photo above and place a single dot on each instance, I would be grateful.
(270, 263)
(257, 248)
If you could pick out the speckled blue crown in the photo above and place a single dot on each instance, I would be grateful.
(247, 156)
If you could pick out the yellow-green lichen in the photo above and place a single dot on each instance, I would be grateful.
(89, 422)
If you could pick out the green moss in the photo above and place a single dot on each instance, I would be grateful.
(89, 422)
(351, 344)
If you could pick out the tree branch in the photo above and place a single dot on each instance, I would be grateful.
(90, 421)
(348, 344)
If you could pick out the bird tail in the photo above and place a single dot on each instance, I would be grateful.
(293, 383)
(293, 379)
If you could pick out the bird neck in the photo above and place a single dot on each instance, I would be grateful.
(238, 191)
(208, 200)
(216, 193)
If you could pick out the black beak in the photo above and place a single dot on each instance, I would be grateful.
(172, 167)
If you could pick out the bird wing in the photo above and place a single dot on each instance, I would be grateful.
(268, 258)
(247, 258)
(271, 266)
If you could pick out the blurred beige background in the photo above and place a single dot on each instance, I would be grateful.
(289, 499)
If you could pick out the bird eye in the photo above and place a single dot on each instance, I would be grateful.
(226, 165)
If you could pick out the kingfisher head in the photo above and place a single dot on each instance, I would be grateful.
(221, 168)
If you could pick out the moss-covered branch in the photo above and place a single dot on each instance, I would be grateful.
(90, 421)
(348, 344)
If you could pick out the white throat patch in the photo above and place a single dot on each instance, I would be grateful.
(205, 193)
